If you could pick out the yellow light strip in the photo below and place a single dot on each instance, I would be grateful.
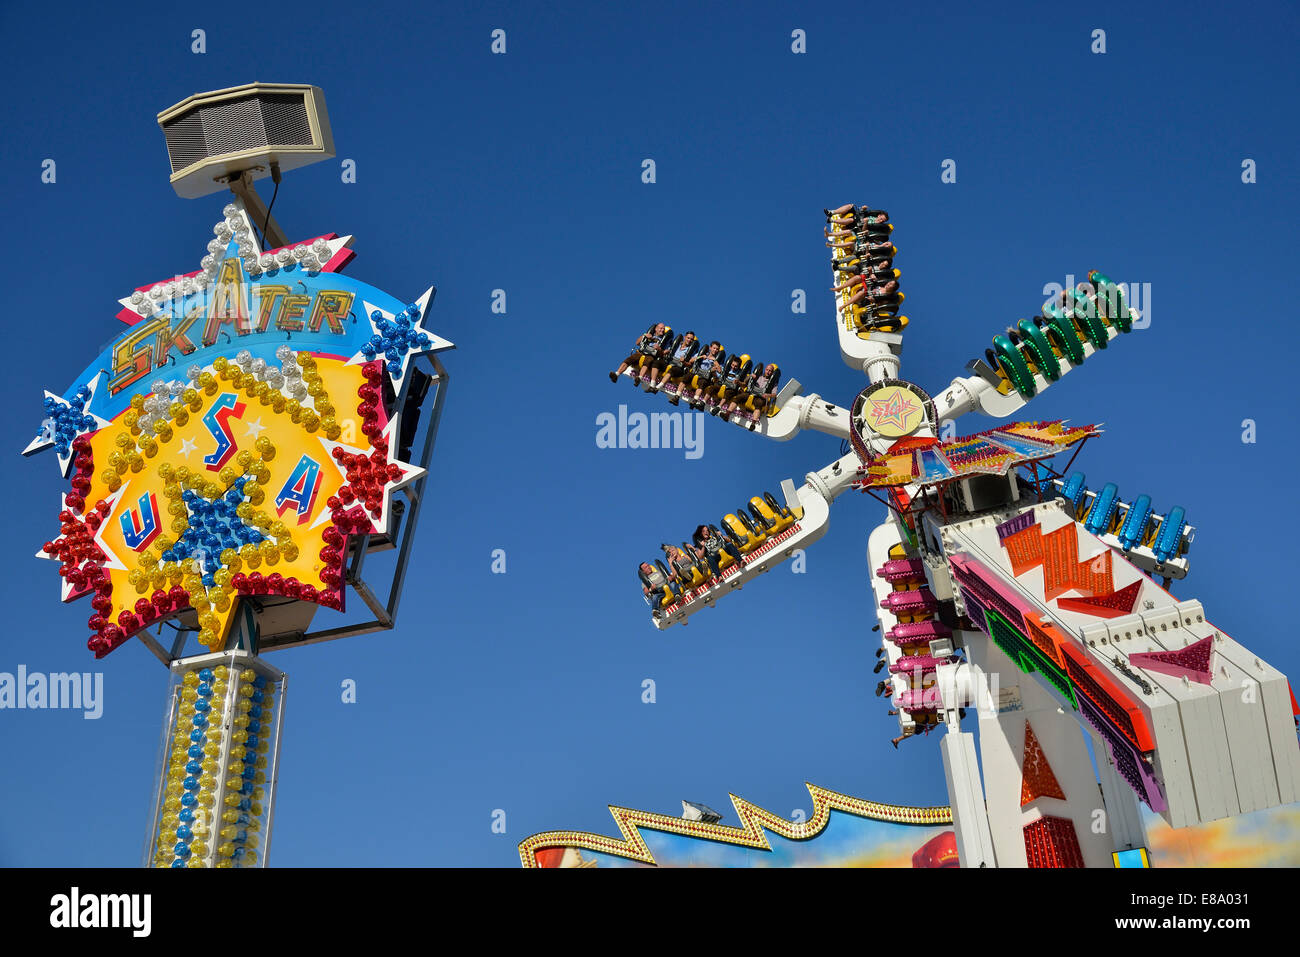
(754, 822)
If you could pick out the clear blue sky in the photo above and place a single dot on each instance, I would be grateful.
(474, 172)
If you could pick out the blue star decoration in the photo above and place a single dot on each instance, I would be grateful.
(214, 526)
(397, 337)
(65, 420)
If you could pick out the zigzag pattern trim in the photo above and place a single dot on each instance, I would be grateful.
(754, 823)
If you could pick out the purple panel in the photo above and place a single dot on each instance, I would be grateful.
(1013, 525)
(1128, 761)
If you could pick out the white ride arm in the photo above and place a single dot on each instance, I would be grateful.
(810, 504)
(977, 392)
(796, 412)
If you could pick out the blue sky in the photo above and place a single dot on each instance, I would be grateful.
(522, 172)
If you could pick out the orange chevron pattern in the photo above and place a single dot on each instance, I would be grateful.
(754, 823)
(1058, 553)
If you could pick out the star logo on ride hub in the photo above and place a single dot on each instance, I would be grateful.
(892, 409)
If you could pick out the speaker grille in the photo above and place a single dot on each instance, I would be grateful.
(256, 121)
(285, 119)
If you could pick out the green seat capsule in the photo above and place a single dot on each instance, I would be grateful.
(1014, 367)
(1040, 349)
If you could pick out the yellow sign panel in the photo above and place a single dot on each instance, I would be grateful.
(893, 411)
(230, 487)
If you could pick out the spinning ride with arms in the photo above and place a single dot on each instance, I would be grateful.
(1005, 586)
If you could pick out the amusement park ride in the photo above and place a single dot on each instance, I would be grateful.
(1001, 586)
(260, 427)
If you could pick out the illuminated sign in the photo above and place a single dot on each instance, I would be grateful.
(232, 437)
